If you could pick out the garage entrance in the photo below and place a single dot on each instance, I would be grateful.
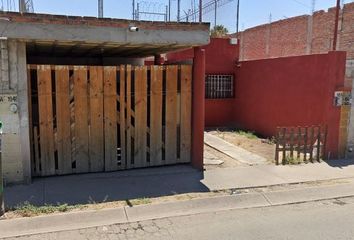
(94, 118)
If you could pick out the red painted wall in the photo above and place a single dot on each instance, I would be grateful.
(292, 91)
(220, 58)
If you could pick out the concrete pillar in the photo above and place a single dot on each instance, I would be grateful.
(23, 110)
(350, 81)
(309, 34)
(198, 108)
(14, 112)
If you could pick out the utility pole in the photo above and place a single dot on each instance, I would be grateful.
(215, 11)
(22, 6)
(133, 3)
(200, 11)
(100, 8)
(169, 10)
(237, 17)
(178, 10)
(336, 23)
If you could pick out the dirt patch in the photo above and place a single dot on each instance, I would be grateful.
(250, 142)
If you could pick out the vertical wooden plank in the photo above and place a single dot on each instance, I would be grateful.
(171, 114)
(277, 139)
(284, 145)
(110, 118)
(318, 148)
(81, 155)
(122, 116)
(46, 120)
(129, 131)
(291, 141)
(36, 151)
(156, 116)
(305, 144)
(186, 113)
(298, 147)
(311, 143)
(140, 129)
(96, 138)
(63, 119)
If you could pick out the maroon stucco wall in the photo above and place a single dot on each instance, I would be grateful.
(292, 91)
(220, 58)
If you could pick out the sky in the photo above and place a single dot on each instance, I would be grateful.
(252, 12)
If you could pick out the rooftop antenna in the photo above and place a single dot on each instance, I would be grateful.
(100, 8)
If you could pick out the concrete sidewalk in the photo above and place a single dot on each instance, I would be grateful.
(162, 181)
(87, 219)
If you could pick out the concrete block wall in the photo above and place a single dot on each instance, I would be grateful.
(14, 112)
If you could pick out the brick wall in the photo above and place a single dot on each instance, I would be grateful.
(299, 35)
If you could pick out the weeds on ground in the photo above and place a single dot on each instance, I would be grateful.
(140, 201)
(29, 210)
(289, 160)
(247, 134)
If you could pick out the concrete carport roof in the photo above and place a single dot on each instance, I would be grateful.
(71, 36)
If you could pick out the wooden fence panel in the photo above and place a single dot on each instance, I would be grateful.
(309, 143)
(81, 156)
(46, 130)
(110, 116)
(96, 138)
(140, 128)
(156, 116)
(63, 119)
(171, 114)
(104, 123)
(186, 113)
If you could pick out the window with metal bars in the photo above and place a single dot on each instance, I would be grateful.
(219, 86)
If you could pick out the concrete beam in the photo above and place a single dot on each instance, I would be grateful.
(95, 34)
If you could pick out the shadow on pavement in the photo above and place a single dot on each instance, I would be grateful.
(341, 163)
(105, 187)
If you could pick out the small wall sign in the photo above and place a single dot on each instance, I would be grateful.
(342, 98)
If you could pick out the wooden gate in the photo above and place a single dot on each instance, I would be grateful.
(95, 119)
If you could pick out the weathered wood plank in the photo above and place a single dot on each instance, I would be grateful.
(186, 113)
(140, 128)
(46, 120)
(171, 114)
(129, 132)
(63, 119)
(36, 151)
(122, 115)
(81, 155)
(156, 116)
(96, 139)
(110, 118)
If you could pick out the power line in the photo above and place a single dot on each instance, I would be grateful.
(301, 3)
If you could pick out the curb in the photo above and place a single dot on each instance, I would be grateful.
(95, 218)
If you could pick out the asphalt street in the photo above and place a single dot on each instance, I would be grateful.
(330, 219)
